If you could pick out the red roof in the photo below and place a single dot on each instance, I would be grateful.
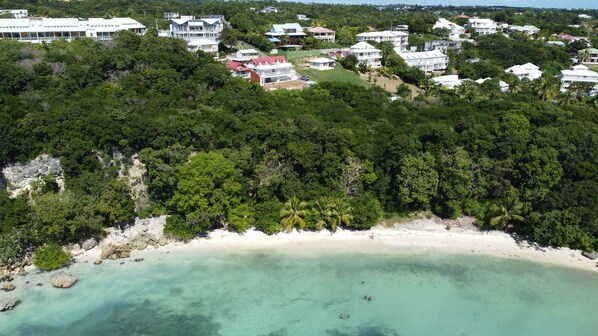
(320, 30)
(269, 60)
(237, 66)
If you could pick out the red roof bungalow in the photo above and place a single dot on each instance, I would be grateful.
(271, 69)
(239, 70)
(569, 38)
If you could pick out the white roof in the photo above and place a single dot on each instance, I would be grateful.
(524, 67)
(421, 54)
(382, 33)
(321, 60)
(67, 24)
(363, 46)
(482, 80)
(444, 23)
(580, 70)
(201, 42)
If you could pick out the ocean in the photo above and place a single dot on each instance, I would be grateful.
(278, 293)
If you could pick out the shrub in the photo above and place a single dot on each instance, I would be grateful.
(50, 257)
(267, 216)
(177, 227)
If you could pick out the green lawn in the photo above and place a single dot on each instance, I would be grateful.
(337, 74)
(294, 54)
(592, 66)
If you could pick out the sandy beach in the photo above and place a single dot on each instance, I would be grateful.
(417, 235)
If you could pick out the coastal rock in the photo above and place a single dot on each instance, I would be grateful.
(116, 251)
(76, 247)
(8, 287)
(138, 260)
(89, 244)
(19, 177)
(97, 262)
(21, 271)
(63, 280)
(8, 303)
(590, 255)
(163, 241)
(139, 244)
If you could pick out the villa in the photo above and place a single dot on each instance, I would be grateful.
(38, 29)
(527, 70)
(170, 15)
(443, 46)
(238, 69)
(322, 34)
(205, 45)
(16, 13)
(448, 81)
(269, 9)
(398, 38)
(527, 29)
(190, 28)
(427, 61)
(504, 87)
(455, 31)
(245, 55)
(275, 69)
(366, 54)
(286, 35)
(588, 56)
(482, 26)
(321, 63)
(579, 74)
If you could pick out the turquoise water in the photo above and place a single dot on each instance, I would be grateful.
(276, 293)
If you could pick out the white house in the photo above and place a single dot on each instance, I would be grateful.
(398, 38)
(170, 15)
(454, 29)
(322, 34)
(16, 13)
(245, 55)
(443, 46)
(585, 16)
(238, 69)
(579, 74)
(205, 45)
(190, 28)
(302, 17)
(321, 63)
(482, 26)
(37, 29)
(527, 70)
(527, 29)
(426, 61)
(292, 31)
(272, 69)
(504, 87)
(448, 81)
(269, 9)
(367, 54)
(588, 56)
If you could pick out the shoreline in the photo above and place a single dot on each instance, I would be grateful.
(418, 235)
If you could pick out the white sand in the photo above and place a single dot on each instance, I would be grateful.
(418, 235)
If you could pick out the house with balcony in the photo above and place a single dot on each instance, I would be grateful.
(366, 54)
(399, 39)
(321, 63)
(245, 55)
(588, 56)
(322, 34)
(16, 13)
(426, 61)
(579, 74)
(448, 81)
(443, 46)
(39, 29)
(274, 69)
(238, 69)
(454, 30)
(190, 28)
(287, 35)
(205, 45)
(527, 70)
(482, 26)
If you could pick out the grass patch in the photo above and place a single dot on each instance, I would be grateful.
(338, 74)
(592, 66)
(295, 54)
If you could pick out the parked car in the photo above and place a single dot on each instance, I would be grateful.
(304, 78)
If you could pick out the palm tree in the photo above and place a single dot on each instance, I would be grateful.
(584, 56)
(502, 213)
(546, 88)
(322, 210)
(293, 214)
(340, 213)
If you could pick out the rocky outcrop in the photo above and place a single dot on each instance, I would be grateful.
(590, 255)
(136, 178)
(97, 262)
(116, 251)
(8, 287)
(19, 177)
(8, 303)
(63, 280)
(89, 244)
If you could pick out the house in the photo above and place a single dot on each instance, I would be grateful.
(322, 34)
(570, 38)
(38, 29)
(482, 26)
(269, 9)
(443, 46)
(321, 63)
(398, 39)
(555, 43)
(245, 55)
(366, 54)
(527, 70)
(448, 81)
(239, 70)
(585, 16)
(579, 74)
(588, 56)
(272, 69)
(504, 87)
(205, 45)
(170, 15)
(302, 17)
(426, 61)
(454, 29)
(527, 29)
(190, 28)
(400, 28)
(286, 35)
(16, 13)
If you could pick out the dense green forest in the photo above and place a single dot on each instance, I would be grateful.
(222, 152)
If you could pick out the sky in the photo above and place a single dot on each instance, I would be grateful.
(593, 4)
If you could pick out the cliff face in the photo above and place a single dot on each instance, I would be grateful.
(19, 177)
